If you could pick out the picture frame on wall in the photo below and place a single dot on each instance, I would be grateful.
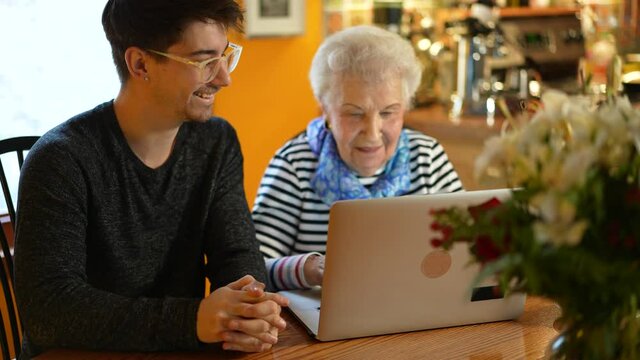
(274, 17)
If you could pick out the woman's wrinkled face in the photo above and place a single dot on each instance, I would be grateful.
(366, 120)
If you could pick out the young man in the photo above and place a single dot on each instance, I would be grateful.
(119, 206)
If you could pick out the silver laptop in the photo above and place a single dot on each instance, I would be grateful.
(383, 276)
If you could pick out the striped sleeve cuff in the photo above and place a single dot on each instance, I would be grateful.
(287, 273)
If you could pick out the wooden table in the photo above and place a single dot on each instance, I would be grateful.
(526, 338)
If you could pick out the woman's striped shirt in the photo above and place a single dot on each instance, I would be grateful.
(292, 221)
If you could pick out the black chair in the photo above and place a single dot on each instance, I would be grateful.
(10, 328)
(18, 145)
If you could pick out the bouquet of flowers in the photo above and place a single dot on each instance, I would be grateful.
(571, 229)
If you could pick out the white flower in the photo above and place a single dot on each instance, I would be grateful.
(489, 156)
(554, 153)
(558, 224)
(553, 207)
(575, 167)
(559, 235)
(554, 101)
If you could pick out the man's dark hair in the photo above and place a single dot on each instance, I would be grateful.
(158, 24)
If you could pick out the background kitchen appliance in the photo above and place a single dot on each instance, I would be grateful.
(513, 57)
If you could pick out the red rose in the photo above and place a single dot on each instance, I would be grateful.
(475, 211)
(485, 249)
(445, 229)
(436, 243)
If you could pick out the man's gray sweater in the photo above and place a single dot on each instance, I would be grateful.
(110, 254)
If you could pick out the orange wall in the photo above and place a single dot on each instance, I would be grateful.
(270, 99)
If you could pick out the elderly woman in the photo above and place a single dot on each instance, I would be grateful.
(364, 79)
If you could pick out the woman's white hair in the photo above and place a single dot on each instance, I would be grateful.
(369, 53)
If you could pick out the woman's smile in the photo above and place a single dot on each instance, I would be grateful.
(368, 149)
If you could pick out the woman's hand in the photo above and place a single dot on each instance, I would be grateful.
(241, 315)
(314, 269)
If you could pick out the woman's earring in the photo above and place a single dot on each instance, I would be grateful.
(326, 124)
(146, 78)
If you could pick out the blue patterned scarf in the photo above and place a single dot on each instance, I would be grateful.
(333, 180)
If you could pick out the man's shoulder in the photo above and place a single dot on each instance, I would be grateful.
(77, 132)
(217, 122)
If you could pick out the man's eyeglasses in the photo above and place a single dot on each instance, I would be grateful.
(209, 68)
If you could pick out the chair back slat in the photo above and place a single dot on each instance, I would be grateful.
(4, 244)
(20, 154)
(10, 305)
(7, 196)
(7, 254)
(18, 145)
(4, 341)
(10, 329)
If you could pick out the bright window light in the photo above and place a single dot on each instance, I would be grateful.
(56, 63)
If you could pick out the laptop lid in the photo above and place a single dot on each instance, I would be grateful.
(383, 276)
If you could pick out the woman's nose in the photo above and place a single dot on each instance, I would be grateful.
(373, 128)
